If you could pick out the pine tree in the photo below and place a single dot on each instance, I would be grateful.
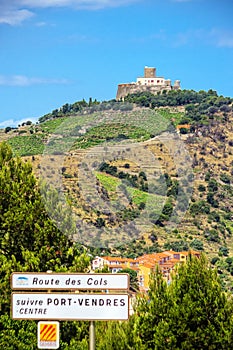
(151, 313)
(191, 313)
(30, 241)
(201, 317)
(24, 222)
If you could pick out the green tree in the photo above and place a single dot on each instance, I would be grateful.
(151, 313)
(117, 335)
(191, 313)
(196, 244)
(29, 241)
(132, 278)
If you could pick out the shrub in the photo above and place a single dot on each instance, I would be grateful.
(22, 132)
(67, 176)
(212, 200)
(212, 110)
(184, 131)
(224, 251)
(214, 260)
(196, 244)
(207, 176)
(100, 222)
(214, 216)
(177, 246)
(200, 207)
(7, 129)
(212, 235)
(225, 178)
(213, 185)
(201, 188)
(225, 108)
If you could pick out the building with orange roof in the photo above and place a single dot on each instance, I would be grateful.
(115, 264)
(145, 271)
(146, 264)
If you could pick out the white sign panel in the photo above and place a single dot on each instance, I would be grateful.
(48, 335)
(24, 281)
(60, 306)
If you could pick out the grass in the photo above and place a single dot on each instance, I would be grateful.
(153, 202)
(100, 127)
(60, 145)
(108, 132)
(176, 117)
(27, 145)
(150, 121)
(109, 182)
(65, 125)
(137, 195)
(51, 125)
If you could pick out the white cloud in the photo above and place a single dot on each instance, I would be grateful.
(14, 123)
(21, 80)
(14, 12)
(217, 37)
(225, 42)
(221, 38)
(88, 4)
(41, 24)
(14, 17)
(161, 35)
(182, 0)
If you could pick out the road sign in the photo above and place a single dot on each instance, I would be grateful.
(70, 306)
(62, 281)
(48, 335)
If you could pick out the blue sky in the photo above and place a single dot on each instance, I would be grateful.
(60, 51)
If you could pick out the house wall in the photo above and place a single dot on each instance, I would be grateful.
(144, 276)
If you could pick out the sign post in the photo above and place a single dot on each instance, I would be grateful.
(92, 336)
(69, 305)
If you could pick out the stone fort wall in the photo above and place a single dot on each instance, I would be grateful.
(126, 89)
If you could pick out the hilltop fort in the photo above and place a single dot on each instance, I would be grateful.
(150, 82)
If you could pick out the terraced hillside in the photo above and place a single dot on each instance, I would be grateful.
(133, 176)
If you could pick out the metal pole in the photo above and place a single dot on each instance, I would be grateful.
(92, 336)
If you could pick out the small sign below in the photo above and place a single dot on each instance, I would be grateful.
(48, 335)
(62, 281)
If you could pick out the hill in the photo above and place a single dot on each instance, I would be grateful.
(155, 171)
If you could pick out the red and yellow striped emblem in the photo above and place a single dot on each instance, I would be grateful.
(48, 335)
(48, 332)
